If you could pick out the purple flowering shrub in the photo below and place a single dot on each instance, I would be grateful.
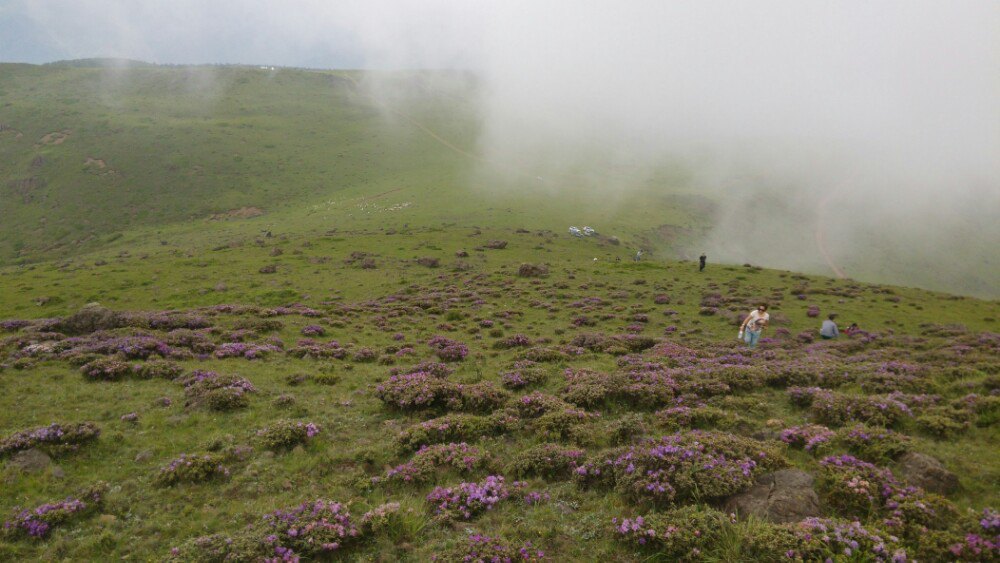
(38, 522)
(417, 390)
(285, 434)
(55, 438)
(381, 518)
(678, 534)
(246, 350)
(878, 445)
(308, 348)
(515, 341)
(701, 416)
(524, 373)
(481, 548)
(106, 369)
(449, 428)
(853, 486)
(219, 392)
(313, 330)
(311, 529)
(157, 369)
(437, 369)
(424, 464)
(834, 408)
(822, 539)
(810, 437)
(466, 500)
(548, 461)
(421, 390)
(691, 465)
(448, 350)
(191, 468)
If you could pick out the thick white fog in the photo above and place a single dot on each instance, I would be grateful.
(888, 111)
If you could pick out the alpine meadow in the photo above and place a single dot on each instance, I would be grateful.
(265, 313)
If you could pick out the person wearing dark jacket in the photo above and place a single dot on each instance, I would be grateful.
(701, 262)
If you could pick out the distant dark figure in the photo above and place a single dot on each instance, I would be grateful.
(618, 258)
(829, 328)
(853, 329)
(701, 262)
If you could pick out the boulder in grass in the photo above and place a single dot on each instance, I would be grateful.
(780, 497)
(92, 317)
(533, 270)
(30, 461)
(269, 269)
(926, 472)
(496, 244)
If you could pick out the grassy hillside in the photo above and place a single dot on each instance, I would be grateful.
(304, 296)
(930, 349)
(92, 154)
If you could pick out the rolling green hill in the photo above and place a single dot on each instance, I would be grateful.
(237, 304)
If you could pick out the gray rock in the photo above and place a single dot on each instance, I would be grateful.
(144, 455)
(924, 471)
(30, 461)
(779, 497)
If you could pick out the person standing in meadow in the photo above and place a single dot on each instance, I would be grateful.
(754, 325)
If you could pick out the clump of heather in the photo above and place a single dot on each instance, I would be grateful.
(38, 522)
(810, 437)
(515, 341)
(417, 390)
(191, 468)
(55, 437)
(157, 369)
(524, 373)
(701, 416)
(681, 533)
(981, 545)
(853, 486)
(460, 457)
(420, 390)
(131, 417)
(247, 350)
(878, 445)
(285, 434)
(217, 391)
(481, 548)
(822, 539)
(380, 518)
(106, 369)
(437, 369)
(466, 500)
(694, 465)
(311, 529)
(308, 348)
(837, 409)
(449, 428)
(313, 330)
(448, 350)
(548, 461)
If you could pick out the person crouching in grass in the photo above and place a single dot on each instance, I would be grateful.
(754, 325)
(829, 328)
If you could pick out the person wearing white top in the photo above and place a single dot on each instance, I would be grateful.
(754, 325)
